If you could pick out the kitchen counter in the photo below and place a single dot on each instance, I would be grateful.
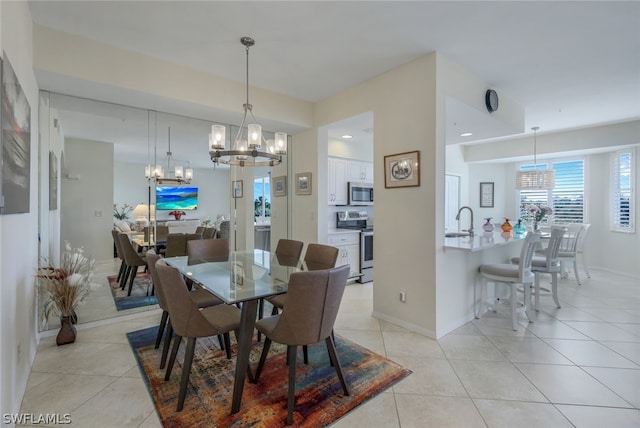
(482, 241)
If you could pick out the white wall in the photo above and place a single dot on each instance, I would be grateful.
(87, 198)
(19, 232)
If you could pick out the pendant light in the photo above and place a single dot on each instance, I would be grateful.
(543, 179)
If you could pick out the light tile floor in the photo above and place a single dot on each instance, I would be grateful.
(576, 366)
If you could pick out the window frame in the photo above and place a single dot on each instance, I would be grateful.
(614, 190)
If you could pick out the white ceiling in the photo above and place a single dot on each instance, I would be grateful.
(570, 64)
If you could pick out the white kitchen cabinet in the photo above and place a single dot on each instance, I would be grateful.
(348, 245)
(337, 186)
(360, 171)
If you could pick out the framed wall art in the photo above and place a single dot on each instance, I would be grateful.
(486, 195)
(236, 188)
(402, 170)
(280, 186)
(303, 183)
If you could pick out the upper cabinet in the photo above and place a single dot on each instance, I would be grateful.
(360, 171)
(337, 186)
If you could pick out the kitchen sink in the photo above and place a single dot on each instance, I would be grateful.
(456, 234)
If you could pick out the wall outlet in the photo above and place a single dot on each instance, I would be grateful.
(403, 296)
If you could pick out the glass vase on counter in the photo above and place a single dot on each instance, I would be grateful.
(488, 226)
(506, 226)
(519, 228)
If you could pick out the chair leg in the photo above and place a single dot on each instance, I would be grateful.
(263, 358)
(121, 271)
(134, 272)
(333, 355)
(167, 341)
(221, 341)
(483, 297)
(514, 306)
(575, 269)
(172, 358)
(163, 323)
(186, 370)
(527, 300)
(584, 265)
(260, 315)
(227, 345)
(305, 353)
(274, 311)
(291, 391)
(123, 280)
(537, 291)
(554, 288)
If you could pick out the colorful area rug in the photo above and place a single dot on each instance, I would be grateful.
(141, 287)
(320, 400)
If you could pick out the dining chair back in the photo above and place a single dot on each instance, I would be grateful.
(207, 250)
(581, 250)
(511, 274)
(152, 258)
(568, 252)
(191, 322)
(225, 230)
(209, 233)
(312, 307)
(116, 242)
(319, 256)
(133, 261)
(161, 233)
(200, 230)
(288, 252)
(176, 245)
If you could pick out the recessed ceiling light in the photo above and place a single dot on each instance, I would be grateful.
(347, 136)
(466, 134)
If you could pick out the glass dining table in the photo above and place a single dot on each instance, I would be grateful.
(244, 279)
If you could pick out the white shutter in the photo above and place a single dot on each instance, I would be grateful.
(622, 191)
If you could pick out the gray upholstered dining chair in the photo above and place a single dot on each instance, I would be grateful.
(133, 261)
(176, 245)
(201, 298)
(207, 250)
(312, 307)
(568, 252)
(511, 275)
(288, 254)
(209, 233)
(123, 265)
(319, 256)
(191, 322)
(546, 263)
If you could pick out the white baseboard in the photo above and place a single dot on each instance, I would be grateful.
(409, 326)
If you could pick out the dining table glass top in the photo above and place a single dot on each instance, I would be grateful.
(247, 275)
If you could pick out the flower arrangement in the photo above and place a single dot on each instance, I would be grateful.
(537, 213)
(205, 222)
(123, 212)
(177, 214)
(68, 285)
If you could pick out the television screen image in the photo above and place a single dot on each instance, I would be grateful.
(176, 198)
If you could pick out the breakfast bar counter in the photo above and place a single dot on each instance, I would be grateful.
(482, 241)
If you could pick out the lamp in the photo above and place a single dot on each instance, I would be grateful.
(140, 213)
(536, 179)
(180, 174)
(249, 144)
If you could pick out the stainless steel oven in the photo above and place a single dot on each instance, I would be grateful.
(366, 256)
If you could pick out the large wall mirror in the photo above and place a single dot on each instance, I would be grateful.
(100, 151)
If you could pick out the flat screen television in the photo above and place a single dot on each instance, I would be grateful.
(170, 198)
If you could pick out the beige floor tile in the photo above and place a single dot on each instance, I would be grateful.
(134, 372)
(63, 393)
(631, 328)
(459, 347)
(508, 414)
(467, 330)
(108, 359)
(431, 376)
(151, 421)
(378, 412)
(124, 403)
(528, 350)
(597, 417)
(493, 326)
(624, 382)
(570, 385)
(419, 411)
(567, 313)
(614, 315)
(603, 331)
(555, 330)
(628, 350)
(590, 353)
(495, 380)
(357, 322)
(387, 326)
(410, 344)
(371, 340)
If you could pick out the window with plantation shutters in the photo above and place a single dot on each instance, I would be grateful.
(622, 191)
(566, 198)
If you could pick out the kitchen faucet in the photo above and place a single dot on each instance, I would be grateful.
(470, 230)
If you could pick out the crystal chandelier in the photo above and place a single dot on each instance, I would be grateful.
(180, 175)
(535, 179)
(249, 147)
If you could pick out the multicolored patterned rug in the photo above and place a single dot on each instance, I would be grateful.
(320, 400)
(141, 287)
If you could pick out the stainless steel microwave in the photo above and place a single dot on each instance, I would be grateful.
(360, 193)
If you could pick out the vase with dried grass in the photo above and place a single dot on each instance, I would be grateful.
(65, 287)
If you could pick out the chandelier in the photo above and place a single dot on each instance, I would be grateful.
(180, 175)
(535, 179)
(249, 147)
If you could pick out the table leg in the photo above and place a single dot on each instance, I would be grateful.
(247, 323)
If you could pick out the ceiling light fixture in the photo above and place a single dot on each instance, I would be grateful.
(180, 175)
(535, 179)
(347, 136)
(247, 144)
